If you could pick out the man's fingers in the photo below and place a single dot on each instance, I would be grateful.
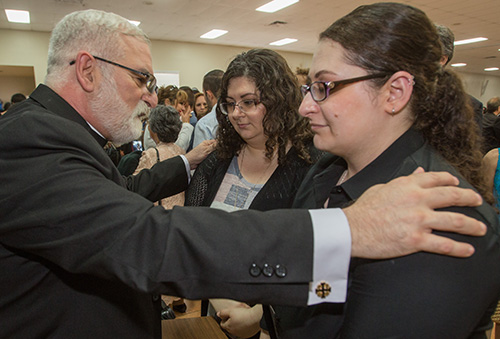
(439, 197)
(432, 179)
(442, 245)
(456, 223)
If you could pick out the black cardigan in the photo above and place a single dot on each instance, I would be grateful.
(278, 192)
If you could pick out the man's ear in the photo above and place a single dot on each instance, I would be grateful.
(400, 88)
(85, 70)
(211, 96)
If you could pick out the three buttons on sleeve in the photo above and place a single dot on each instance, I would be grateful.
(268, 270)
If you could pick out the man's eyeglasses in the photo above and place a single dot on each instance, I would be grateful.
(246, 106)
(149, 78)
(320, 90)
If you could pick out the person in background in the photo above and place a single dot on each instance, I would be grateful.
(381, 104)
(491, 127)
(182, 105)
(98, 253)
(165, 125)
(193, 119)
(302, 75)
(18, 97)
(207, 126)
(200, 105)
(264, 149)
(447, 39)
(167, 94)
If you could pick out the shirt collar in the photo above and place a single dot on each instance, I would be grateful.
(386, 165)
(381, 170)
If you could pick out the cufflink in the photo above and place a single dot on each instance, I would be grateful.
(323, 290)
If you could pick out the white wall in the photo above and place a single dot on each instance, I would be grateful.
(191, 60)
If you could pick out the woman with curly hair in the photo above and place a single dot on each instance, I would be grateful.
(381, 104)
(264, 149)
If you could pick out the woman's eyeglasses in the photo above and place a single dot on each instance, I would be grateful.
(320, 90)
(245, 106)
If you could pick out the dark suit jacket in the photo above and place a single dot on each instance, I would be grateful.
(82, 255)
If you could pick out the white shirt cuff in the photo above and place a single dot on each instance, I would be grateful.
(188, 168)
(332, 256)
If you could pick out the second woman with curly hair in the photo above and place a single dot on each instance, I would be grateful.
(264, 150)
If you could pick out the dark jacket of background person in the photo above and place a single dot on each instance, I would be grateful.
(74, 232)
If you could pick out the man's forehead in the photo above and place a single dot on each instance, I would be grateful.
(136, 51)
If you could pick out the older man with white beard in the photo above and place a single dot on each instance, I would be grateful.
(85, 254)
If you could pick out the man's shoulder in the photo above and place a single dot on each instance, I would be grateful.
(206, 120)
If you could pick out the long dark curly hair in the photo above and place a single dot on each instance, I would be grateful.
(392, 37)
(279, 93)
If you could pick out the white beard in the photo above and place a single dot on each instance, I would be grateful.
(120, 127)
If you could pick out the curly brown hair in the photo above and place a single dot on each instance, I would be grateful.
(279, 93)
(390, 37)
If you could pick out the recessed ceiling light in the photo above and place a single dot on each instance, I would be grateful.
(213, 34)
(459, 64)
(469, 41)
(491, 69)
(276, 5)
(14, 15)
(283, 42)
(133, 22)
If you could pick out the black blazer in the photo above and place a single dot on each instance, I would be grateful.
(84, 253)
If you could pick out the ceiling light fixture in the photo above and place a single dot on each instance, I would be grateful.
(14, 15)
(491, 69)
(282, 42)
(133, 22)
(469, 41)
(213, 34)
(459, 64)
(276, 5)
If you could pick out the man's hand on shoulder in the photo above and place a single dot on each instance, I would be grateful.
(200, 152)
(398, 218)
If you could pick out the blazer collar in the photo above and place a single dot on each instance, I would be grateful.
(51, 101)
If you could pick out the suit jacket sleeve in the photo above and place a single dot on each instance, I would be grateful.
(164, 179)
(75, 212)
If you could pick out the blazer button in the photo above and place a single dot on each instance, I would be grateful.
(280, 271)
(255, 270)
(156, 297)
(267, 270)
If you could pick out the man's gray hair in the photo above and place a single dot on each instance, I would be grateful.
(96, 32)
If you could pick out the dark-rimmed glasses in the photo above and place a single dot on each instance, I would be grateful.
(320, 90)
(149, 78)
(245, 105)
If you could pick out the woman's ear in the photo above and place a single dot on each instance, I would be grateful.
(85, 70)
(400, 87)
